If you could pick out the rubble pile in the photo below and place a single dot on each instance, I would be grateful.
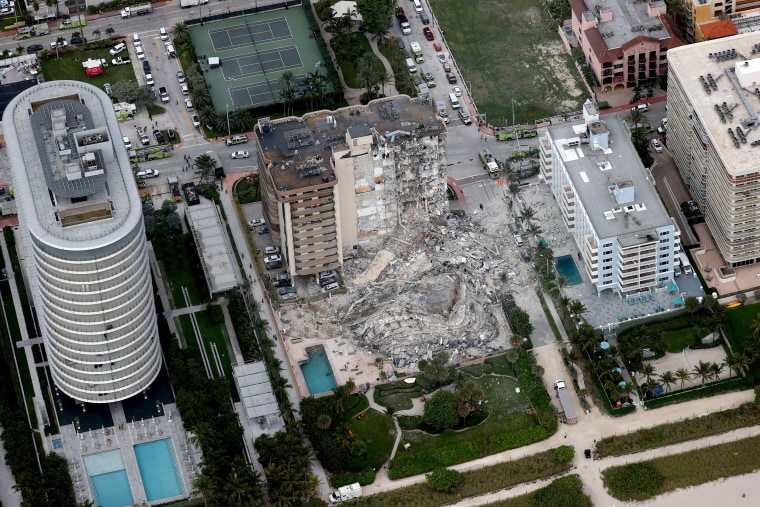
(439, 289)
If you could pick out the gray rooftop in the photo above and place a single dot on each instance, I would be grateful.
(74, 184)
(599, 175)
(301, 148)
(629, 20)
(255, 390)
(214, 247)
(721, 78)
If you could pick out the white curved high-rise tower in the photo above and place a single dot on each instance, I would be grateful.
(84, 242)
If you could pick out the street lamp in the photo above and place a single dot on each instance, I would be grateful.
(228, 119)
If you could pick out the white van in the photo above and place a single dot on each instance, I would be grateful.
(454, 101)
(417, 5)
(410, 66)
(163, 34)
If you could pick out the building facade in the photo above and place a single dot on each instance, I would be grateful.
(713, 104)
(626, 241)
(336, 181)
(83, 239)
(624, 43)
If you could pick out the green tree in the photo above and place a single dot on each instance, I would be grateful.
(287, 83)
(441, 411)
(444, 480)
(204, 164)
(96, 33)
(691, 304)
(647, 372)
(377, 15)
(324, 421)
(436, 370)
(208, 115)
(716, 369)
(110, 31)
(683, 375)
(468, 397)
(520, 322)
(240, 119)
(181, 34)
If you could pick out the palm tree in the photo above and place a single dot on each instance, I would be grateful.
(204, 164)
(201, 97)
(577, 308)
(384, 78)
(716, 369)
(19, 50)
(683, 375)
(287, 84)
(755, 326)
(207, 115)
(738, 362)
(703, 371)
(180, 34)
(666, 379)
(533, 230)
(691, 304)
(366, 73)
(648, 371)
(527, 214)
(96, 33)
(240, 119)
(204, 486)
(110, 30)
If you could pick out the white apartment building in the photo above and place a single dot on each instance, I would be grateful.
(713, 135)
(83, 239)
(626, 240)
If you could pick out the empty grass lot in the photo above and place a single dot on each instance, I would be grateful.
(69, 66)
(507, 49)
(375, 429)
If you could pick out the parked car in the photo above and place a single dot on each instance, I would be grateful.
(184, 89)
(446, 67)
(180, 76)
(465, 117)
(256, 222)
(139, 52)
(163, 33)
(146, 66)
(428, 33)
(196, 121)
(288, 297)
(451, 77)
(127, 142)
(456, 91)
(240, 154)
(118, 48)
(107, 88)
(158, 135)
(272, 259)
(171, 134)
(33, 48)
(120, 61)
(400, 44)
(149, 80)
(189, 104)
(143, 136)
(587, 453)
(78, 40)
(56, 44)
(286, 290)
(263, 230)
(657, 146)
(273, 265)
(271, 250)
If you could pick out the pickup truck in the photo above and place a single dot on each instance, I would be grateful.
(120, 61)
(163, 94)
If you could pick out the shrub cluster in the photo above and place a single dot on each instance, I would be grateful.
(244, 330)
(534, 389)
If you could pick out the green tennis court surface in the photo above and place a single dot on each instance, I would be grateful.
(254, 50)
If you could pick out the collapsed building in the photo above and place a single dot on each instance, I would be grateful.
(364, 189)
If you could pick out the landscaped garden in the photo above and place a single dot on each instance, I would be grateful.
(491, 417)
(69, 65)
(187, 273)
(647, 479)
(492, 478)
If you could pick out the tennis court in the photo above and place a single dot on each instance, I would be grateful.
(262, 62)
(254, 51)
(250, 33)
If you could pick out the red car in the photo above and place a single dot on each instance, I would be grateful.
(446, 67)
(428, 33)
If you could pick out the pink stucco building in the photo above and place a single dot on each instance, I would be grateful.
(625, 43)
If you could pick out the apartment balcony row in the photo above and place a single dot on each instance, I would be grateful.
(95, 343)
(100, 313)
(94, 291)
(105, 275)
(305, 238)
(319, 252)
(97, 262)
(100, 372)
(106, 393)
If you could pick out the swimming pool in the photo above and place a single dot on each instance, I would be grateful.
(317, 372)
(110, 484)
(566, 267)
(158, 469)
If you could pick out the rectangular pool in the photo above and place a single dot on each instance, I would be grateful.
(317, 372)
(566, 267)
(110, 484)
(158, 469)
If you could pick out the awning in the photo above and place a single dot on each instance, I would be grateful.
(678, 301)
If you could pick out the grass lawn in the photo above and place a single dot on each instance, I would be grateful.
(737, 324)
(493, 40)
(509, 424)
(179, 274)
(677, 340)
(69, 66)
(647, 479)
(397, 395)
(476, 482)
(375, 429)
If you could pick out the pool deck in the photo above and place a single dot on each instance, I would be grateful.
(124, 435)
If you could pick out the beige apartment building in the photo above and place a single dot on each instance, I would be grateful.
(714, 137)
(333, 182)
